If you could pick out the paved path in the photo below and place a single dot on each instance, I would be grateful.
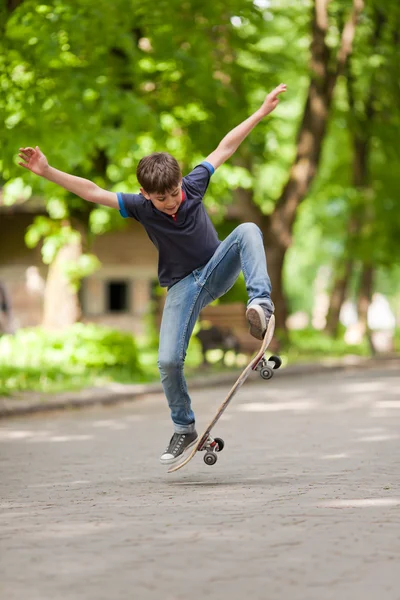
(303, 503)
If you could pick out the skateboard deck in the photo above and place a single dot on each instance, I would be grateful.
(266, 372)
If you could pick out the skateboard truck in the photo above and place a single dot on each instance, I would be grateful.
(267, 367)
(211, 446)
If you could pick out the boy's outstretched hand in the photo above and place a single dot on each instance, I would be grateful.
(271, 101)
(34, 160)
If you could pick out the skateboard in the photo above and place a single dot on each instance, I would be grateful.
(258, 363)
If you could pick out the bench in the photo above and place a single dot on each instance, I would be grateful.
(231, 318)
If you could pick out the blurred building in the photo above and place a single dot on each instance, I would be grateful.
(117, 295)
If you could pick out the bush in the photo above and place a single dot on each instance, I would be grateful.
(38, 359)
(311, 343)
(85, 345)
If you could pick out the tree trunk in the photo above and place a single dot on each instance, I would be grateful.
(12, 5)
(244, 207)
(363, 302)
(343, 274)
(61, 304)
(365, 293)
(338, 296)
(275, 259)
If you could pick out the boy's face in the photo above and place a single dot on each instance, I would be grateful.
(167, 202)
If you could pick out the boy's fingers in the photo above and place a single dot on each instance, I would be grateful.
(28, 151)
(23, 165)
(279, 89)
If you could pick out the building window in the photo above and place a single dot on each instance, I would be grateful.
(117, 296)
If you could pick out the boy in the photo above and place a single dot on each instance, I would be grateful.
(193, 264)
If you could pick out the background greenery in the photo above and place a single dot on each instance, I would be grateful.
(99, 84)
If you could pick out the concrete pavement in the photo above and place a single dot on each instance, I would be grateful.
(303, 503)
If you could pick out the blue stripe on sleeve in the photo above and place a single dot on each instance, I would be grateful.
(208, 166)
(122, 209)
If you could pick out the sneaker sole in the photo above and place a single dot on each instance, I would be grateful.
(172, 461)
(257, 321)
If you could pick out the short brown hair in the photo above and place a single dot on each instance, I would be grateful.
(158, 172)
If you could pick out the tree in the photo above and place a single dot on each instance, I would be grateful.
(371, 124)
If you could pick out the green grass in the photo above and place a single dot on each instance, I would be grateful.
(53, 380)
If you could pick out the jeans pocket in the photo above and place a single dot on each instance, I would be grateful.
(197, 274)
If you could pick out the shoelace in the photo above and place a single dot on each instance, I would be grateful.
(177, 446)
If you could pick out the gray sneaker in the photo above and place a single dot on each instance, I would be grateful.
(178, 447)
(258, 316)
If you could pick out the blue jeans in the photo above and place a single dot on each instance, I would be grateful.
(243, 250)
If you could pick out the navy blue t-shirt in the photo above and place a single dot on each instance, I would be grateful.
(184, 243)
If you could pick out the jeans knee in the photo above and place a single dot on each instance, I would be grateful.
(169, 365)
(249, 229)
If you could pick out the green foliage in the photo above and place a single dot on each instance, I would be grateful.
(310, 344)
(99, 84)
(16, 189)
(39, 359)
(237, 293)
(366, 119)
(103, 219)
(55, 233)
(75, 271)
(107, 90)
(309, 251)
(84, 345)
(397, 340)
(82, 356)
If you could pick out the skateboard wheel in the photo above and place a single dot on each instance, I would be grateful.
(220, 444)
(210, 458)
(266, 372)
(276, 360)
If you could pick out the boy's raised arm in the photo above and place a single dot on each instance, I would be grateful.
(34, 160)
(231, 142)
